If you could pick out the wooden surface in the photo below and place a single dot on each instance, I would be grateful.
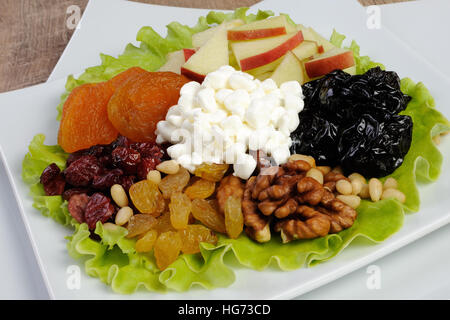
(33, 34)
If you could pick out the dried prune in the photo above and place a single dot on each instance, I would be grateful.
(126, 159)
(364, 108)
(82, 171)
(77, 206)
(107, 180)
(52, 180)
(99, 208)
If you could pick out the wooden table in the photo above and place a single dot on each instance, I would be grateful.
(33, 34)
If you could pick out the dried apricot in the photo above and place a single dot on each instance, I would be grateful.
(125, 76)
(213, 172)
(146, 197)
(193, 235)
(180, 209)
(146, 242)
(167, 248)
(200, 189)
(204, 212)
(84, 121)
(138, 105)
(140, 224)
(174, 182)
(234, 220)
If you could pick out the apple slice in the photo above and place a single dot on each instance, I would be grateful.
(199, 39)
(210, 57)
(256, 53)
(336, 58)
(305, 50)
(290, 69)
(351, 70)
(310, 34)
(271, 27)
(176, 59)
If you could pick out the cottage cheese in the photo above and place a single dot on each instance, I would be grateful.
(229, 114)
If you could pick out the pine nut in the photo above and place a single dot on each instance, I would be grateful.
(123, 215)
(364, 193)
(375, 189)
(394, 193)
(350, 200)
(357, 176)
(154, 176)
(119, 195)
(344, 187)
(308, 159)
(168, 167)
(324, 169)
(390, 183)
(315, 174)
(338, 169)
(109, 226)
(356, 186)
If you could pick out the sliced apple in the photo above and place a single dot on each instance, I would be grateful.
(176, 59)
(310, 34)
(256, 53)
(336, 58)
(270, 27)
(290, 69)
(351, 70)
(200, 38)
(305, 50)
(210, 57)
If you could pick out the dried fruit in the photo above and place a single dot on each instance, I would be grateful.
(126, 158)
(84, 121)
(138, 105)
(140, 224)
(206, 214)
(99, 208)
(52, 180)
(82, 171)
(174, 182)
(71, 192)
(146, 197)
(107, 180)
(145, 166)
(163, 223)
(125, 76)
(234, 219)
(212, 172)
(77, 206)
(167, 248)
(200, 189)
(146, 242)
(193, 235)
(180, 209)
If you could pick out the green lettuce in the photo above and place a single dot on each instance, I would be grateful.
(116, 263)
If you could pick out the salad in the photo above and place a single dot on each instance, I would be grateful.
(246, 137)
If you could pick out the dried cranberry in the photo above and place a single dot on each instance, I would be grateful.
(77, 206)
(99, 208)
(127, 181)
(107, 180)
(73, 191)
(96, 151)
(81, 171)
(121, 141)
(148, 150)
(126, 159)
(146, 165)
(72, 157)
(105, 161)
(52, 180)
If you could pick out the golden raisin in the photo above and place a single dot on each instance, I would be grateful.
(200, 189)
(146, 242)
(193, 235)
(174, 182)
(163, 223)
(139, 224)
(167, 248)
(234, 219)
(212, 172)
(180, 209)
(146, 197)
(204, 212)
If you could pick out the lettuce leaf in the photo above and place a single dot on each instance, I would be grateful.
(116, 263)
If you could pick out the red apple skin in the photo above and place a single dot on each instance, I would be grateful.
(242, 35)
(321, 49)
(192, 75)
(188, 53)
(271, 55)
(320, 67)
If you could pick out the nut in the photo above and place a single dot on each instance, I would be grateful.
(344, 187)
(357, 176)
(356, 186)
(154, 176)
(375, 189)
(390, 183)
(364, 193)
(308, 159)
(123, 215)
(394, 193)
(324, 169)
(119, 195)
(315, 174)
(168, 167)
(351, 200)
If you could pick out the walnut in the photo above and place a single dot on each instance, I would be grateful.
(229, 186)
(299, 206)
(330, 179)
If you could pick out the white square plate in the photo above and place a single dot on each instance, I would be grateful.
(29, 111)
